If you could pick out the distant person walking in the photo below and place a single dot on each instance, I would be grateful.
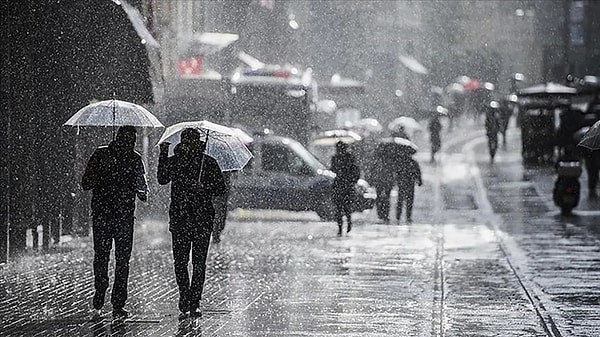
(435, 128)
(116, 175)
(408, 173)
(383, 179)
(492, 127)
(344, 165)
(195, 179)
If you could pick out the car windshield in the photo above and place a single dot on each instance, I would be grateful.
(308, 157)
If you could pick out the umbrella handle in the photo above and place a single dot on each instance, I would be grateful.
(202, 160)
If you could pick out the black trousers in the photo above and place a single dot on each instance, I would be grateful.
(197, 242)
(342, 199)
(105, 231)
(406, 193)
(382, 203)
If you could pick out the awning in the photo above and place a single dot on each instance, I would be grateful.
(414, 65)
(206, 43)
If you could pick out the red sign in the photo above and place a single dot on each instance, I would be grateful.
(190, 66)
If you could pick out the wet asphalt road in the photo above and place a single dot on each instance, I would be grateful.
(486, 255)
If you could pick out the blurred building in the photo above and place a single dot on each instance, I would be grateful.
(371, 41)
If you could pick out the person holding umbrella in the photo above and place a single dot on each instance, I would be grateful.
(115, 174)
(347, 173)
(408, 173)
(195, 179)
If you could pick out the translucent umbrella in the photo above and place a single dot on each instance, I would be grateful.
(222, 143)
(591, 139)
(114, 113)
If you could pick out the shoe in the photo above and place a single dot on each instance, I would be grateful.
(339, 230)
(409, 220)
(195, 313)
(184, 304)
(349, 228)
(98, 300)
(121, 314)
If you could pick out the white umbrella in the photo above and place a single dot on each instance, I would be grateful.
(331, 137)
(114, 113)
(222, 143)
(408, 123)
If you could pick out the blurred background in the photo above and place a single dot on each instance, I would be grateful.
(296, 67)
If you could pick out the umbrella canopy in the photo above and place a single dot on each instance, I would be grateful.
(549, 89)
(408, 123)
(331, 137)
(591, 139)
(242, 135)
(222, 143)
(114, 113)
(368, 125)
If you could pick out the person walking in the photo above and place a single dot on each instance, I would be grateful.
(435, 128)
(195, 179)
(492, 127)
(347, 172)
(116, 175)
(408, 173)
(383, 179)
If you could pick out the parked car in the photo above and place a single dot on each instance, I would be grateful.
(285, 175)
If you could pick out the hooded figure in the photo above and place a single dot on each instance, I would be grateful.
(115, 174)
(195, 179)
(343, 164)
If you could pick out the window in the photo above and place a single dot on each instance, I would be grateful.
(275, 158)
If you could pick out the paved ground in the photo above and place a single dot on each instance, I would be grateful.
(476, 262)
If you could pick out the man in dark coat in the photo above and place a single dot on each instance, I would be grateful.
(435, 128)
(408, 172)
(347, 172)
(492, 127)
(383, 178)
(195, 179)
(115, 174)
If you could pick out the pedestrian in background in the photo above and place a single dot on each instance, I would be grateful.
(435, 128)
(383, 179)
(220, 203)
(492, 127)
(116, 175)
(347, 173)
(195, 179)
(408, 173)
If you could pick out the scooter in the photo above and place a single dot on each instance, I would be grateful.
(567, 187)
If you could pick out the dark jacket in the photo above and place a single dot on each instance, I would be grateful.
(346, 170)
(115, 175)
(190, 202)
(492, 123)
(408, 172)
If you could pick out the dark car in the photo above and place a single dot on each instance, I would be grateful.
(285, 175)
